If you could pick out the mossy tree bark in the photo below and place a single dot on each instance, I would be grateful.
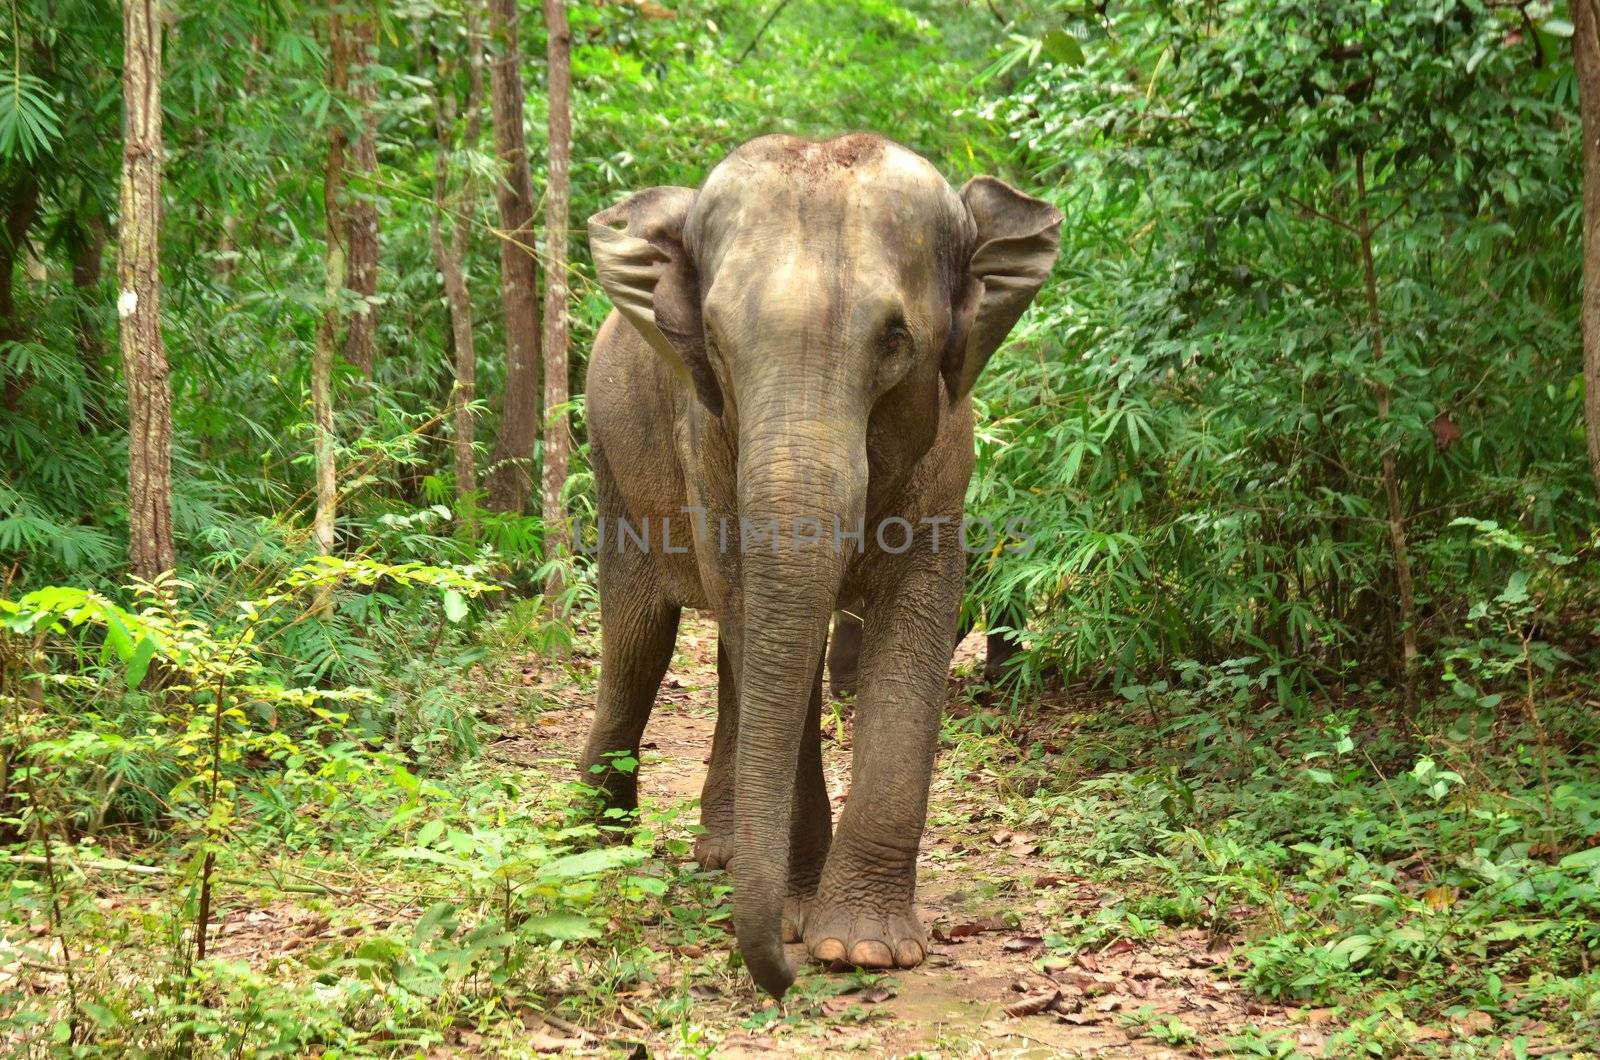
(327, 337)
(557, 441)
(361, 212)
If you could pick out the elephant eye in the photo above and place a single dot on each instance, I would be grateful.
(896, 338)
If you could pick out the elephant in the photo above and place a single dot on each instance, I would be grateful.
(844, 649)
(793, 346)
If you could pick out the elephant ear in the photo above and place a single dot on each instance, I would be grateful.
(1018, 238)
(640, 260)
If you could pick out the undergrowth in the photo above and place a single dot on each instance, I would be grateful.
(1409, 871)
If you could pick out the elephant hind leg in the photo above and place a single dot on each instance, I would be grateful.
(844, 654)
(636, 641)
(714, 849)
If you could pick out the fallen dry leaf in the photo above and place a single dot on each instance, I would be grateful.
(1020, 844)
(1117, 948)
(545, 1042)
(740, 1042)
(1033, 1004)
(977, 927)
(1023, 943)
(1081, 1018)
(1441, 897)
(1083, 984)
(1474, 1024)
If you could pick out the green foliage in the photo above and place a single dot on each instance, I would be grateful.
(28, 122)
(153, 716)
(1190, 423)
(1193, 426)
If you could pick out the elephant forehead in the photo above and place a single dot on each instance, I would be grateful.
(851, 194)
(818, 164)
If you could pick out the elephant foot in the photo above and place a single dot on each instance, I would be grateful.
(796, 909)
(714, 850)
(865, 938)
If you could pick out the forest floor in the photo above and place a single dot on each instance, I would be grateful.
(990, 986)
(1184, 871)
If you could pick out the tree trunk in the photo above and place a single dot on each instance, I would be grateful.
(1391, 474)
(510, 477)
(327, 337)
(1586, 53)
(361, 213)
(144, 357)
(88, 261)
(450, 254)
(22, 206)
(557, 442)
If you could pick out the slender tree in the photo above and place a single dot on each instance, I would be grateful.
(21, 206)
(361, 211)
(327, 336)
(87, 239)
(557, 441)
(1586, 52)
(449, 254)
(510, 477)
(1393, 503)
(144, 357)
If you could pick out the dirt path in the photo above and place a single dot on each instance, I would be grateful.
(990, 901)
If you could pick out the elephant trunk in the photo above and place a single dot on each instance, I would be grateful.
(802, 476)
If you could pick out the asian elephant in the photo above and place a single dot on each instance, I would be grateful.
(779, 421)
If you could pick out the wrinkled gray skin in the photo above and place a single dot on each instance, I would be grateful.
(798, 338)
(844, 653)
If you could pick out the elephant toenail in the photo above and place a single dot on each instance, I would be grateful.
(828, 950)
(908, 954)
(869, 953)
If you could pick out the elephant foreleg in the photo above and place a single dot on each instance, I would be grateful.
(865, 908)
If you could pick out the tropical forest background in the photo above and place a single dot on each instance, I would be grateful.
(294, 311)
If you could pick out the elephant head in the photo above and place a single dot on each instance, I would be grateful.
(825, 300)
